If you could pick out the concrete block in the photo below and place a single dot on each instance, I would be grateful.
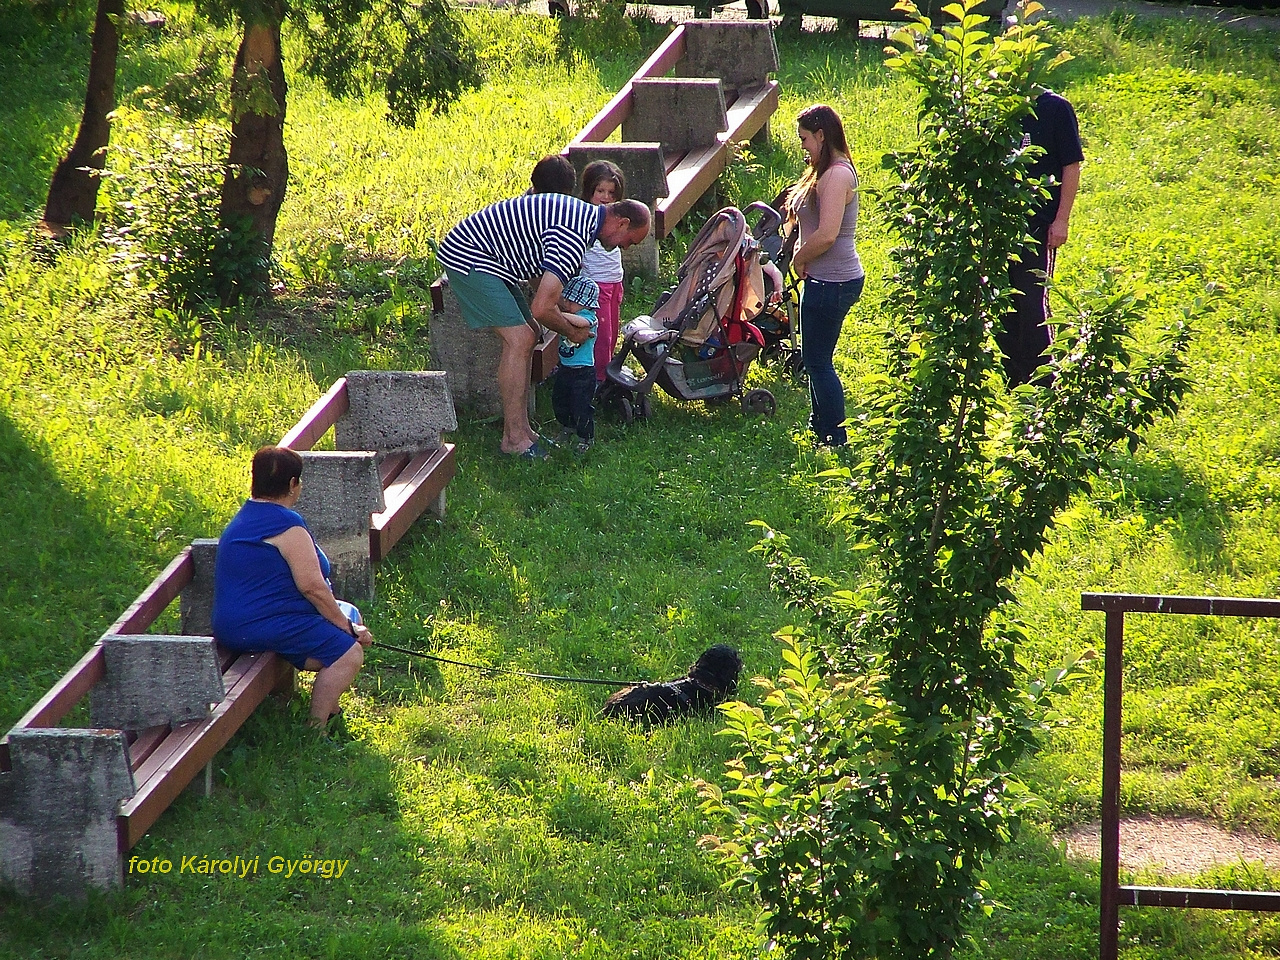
(152, 680)
(340, 491)
(741, 53)
(58, 809)
(351, 567)
(642, 259)
(195, 603)
(681, 114)
(468, 357)
(642, 164)
(395, 410)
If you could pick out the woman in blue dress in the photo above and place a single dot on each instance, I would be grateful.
(271, 588)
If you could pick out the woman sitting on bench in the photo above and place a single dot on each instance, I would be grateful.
(271, 588)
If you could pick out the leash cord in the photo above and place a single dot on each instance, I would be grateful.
(511, 673)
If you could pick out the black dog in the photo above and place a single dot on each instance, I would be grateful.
(711, 680)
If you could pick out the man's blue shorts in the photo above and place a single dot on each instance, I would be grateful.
(488, 301)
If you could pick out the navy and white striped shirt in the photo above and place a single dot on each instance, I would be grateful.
(523, 237)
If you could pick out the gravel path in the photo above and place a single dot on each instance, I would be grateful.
(1182, 846)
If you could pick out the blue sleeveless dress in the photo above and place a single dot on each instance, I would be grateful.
(256, 603)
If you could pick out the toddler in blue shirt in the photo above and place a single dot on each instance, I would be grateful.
(574, 391)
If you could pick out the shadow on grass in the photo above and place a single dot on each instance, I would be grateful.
(63, 576)
(1165, 494)
(282, 796)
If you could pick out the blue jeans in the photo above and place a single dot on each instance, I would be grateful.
(823, 306)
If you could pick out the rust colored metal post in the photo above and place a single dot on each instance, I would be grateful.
(1112, 690)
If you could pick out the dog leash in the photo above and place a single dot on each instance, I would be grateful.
(504, 671)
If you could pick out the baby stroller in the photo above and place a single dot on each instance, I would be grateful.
(779, 321)
(700, 341)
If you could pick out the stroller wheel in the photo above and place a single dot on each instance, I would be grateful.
(794, 365)
(645, 407)
(626, 409)
(761, 402)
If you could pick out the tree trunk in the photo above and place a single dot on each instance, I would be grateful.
(257, 164)
(73, 191)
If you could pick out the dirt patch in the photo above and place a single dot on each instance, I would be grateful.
(1178, 845)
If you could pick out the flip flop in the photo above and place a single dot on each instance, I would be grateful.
(535, 451)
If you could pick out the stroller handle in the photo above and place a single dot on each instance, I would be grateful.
(770, 219)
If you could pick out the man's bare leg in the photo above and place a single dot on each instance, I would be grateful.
(513, 386)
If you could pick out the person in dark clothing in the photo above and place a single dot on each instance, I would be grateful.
(1054, 128)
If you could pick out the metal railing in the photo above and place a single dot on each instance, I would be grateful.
(1115, 894)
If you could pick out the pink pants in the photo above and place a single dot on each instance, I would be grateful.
(607, 331)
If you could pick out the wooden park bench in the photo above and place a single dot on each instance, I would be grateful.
(677, 132)
(163, 758)
(73, 801)
(399, 416)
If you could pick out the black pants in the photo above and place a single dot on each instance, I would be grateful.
(1026, 330)
(571, 397)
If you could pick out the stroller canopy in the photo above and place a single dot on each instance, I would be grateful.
(705, 295)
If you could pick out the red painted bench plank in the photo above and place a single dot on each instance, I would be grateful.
(619, 108)
(419, 483)
(315, 423)
(161, 592)
(168, 770)
(546, 356)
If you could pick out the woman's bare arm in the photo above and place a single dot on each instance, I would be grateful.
(299, 552)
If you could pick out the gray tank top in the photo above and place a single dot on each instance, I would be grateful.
(840, 262)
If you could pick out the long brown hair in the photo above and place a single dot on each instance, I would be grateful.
(819, 117)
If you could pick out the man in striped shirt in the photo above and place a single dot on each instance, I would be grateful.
(536, 237)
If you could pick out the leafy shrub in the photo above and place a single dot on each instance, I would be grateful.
(161, 202)
(876, 783)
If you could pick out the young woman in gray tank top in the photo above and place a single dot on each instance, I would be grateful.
(824, 202)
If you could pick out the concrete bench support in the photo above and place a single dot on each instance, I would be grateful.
(58, 807)
(645, 167)
(153, 680)
(341, 490)
(470, 357)
(394, 411)
(682, 115)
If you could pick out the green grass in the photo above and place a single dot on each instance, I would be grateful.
(490, 817)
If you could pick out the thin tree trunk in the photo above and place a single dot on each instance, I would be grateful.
(73, 190)
(258, 166)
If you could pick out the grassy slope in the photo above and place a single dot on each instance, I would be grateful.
(491, 818)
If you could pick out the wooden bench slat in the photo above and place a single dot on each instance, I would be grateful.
(161, 592)
(546, 356)
(315, 423)
(751, 111)
(391, 466)
(408, 495)
(161, 752)
(64, 695)
(689, 181)
(146, 743)
(192, 745)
